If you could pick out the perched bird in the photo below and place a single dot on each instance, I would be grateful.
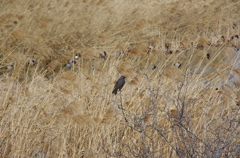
(77, 56)
(10, 67)
(103, 54)
(236, 49)
(119, 84)
(68, 65)
(177, 64)
(31, 63)
(208, 56)
(154, 67)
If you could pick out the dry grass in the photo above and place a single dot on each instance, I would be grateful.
(50, 110)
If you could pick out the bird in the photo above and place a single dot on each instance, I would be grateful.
(154, 67)
(208, 56)
(119, 84)
(177, 64)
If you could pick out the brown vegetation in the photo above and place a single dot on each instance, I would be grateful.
(188, 106)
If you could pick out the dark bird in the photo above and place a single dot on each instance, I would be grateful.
(119, 84)
(154, 67)
(208, 56)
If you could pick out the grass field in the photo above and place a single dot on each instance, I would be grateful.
(56, 82)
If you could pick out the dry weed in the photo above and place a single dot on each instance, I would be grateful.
(49, 109)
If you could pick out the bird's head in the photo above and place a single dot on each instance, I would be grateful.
(123, 77)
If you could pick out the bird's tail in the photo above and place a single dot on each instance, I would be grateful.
(114, 91)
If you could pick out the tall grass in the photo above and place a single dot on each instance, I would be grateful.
(51, 110)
